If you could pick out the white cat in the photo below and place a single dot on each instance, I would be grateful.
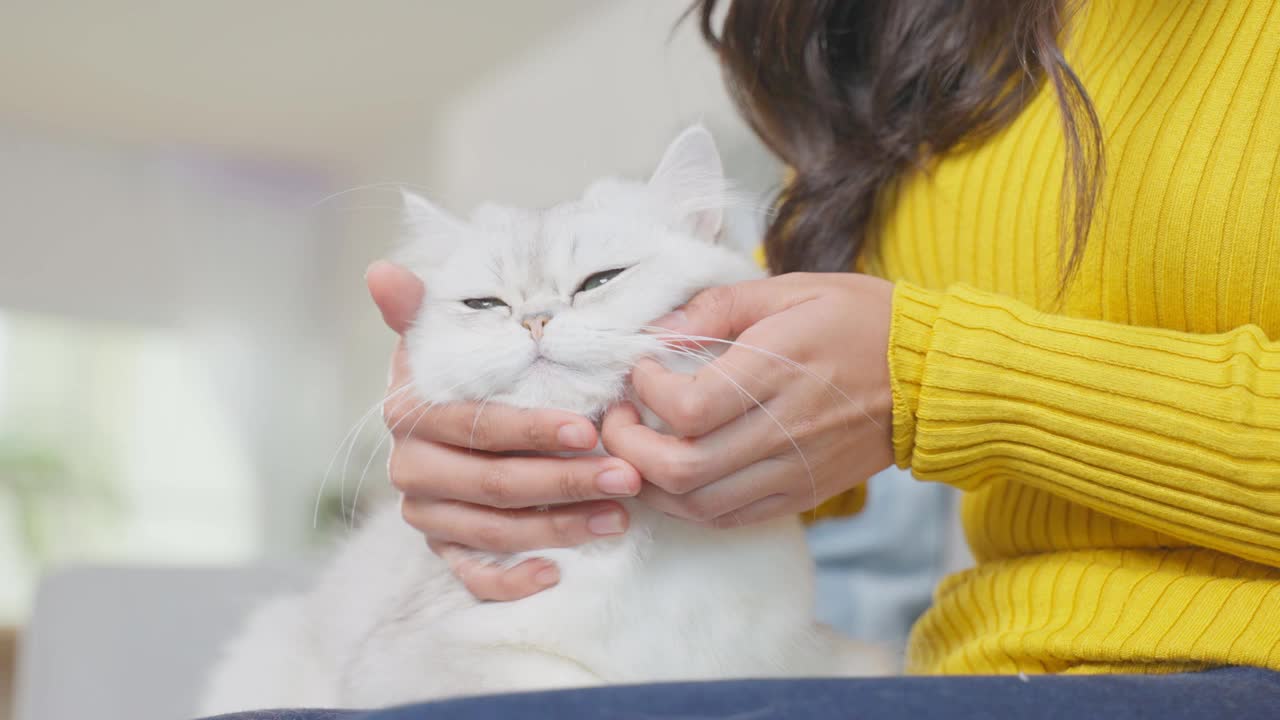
(545, 309)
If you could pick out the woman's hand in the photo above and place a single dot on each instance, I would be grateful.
(462, 495)
(755, 436)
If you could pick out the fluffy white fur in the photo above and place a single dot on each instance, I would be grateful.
(387, 623)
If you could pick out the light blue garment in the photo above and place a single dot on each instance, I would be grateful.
(877, 569)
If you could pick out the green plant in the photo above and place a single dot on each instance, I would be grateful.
(36, 478)
(340, 507)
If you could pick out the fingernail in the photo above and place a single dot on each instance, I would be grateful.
(674, 320)
(615, 482)
(575, 436)
(606, 523)
(547, 576)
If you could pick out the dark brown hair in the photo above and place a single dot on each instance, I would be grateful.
(851, 94)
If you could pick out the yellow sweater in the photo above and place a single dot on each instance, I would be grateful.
(1120, 453)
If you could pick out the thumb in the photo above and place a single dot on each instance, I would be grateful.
(726, 311)
(397, 292)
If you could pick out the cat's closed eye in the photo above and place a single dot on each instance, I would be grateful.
(594, 281)
(486, 303)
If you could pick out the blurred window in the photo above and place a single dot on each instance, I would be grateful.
(113, 448)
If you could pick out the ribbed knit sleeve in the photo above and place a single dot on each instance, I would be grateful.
(1177, 432)
(847, 503)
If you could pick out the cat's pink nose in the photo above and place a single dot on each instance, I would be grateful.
(535, 323)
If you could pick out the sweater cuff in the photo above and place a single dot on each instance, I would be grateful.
(845, 504)
(910, 334)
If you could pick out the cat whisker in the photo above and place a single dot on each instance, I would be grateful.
(349, 442)
(358, 188)
(768, 353)
(471, 441)
(668, 337)
(712, 357)
(351, 435)
(706, 357)
(813, 482)
(342, 482)
(355, 498)
(350, 208)
(420, 409)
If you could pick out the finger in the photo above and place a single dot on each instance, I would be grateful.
(683, 465)
(428, 469)
(767, 508)
(397, 292)
(721, 390)
(512, 531)
(493, 427)
(694, 405)
(722, 497)
(673, 464)
(490, 581)
(398, 377)
(401, 399)
(726, 311)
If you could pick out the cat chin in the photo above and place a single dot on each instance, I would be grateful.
(548, 386)
(591, 407)
(561, 388)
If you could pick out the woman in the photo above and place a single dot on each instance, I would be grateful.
(1089, 355)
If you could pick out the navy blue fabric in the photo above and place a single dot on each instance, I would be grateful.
(1229, 693)
(295, 715)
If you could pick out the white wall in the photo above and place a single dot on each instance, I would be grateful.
(603, 95)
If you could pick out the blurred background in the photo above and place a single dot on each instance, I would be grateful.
(189, 193)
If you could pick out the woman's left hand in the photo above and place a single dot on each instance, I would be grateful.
(731, 462)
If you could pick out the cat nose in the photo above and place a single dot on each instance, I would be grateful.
(535, 322)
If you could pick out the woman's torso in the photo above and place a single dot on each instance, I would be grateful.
(1186, 237)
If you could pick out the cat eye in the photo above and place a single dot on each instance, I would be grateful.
(594, 281)
(488, 303)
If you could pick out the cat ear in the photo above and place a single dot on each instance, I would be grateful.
(430, 233)
(691, 184)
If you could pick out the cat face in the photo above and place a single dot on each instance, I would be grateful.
(546, 308)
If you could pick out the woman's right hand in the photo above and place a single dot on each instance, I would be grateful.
(464, 496)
